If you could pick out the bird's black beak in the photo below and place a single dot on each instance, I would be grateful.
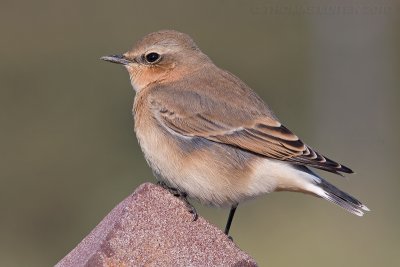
(118, 59)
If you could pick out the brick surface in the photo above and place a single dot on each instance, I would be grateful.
(151, 227)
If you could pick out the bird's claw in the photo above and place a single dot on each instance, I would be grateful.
(183, 196)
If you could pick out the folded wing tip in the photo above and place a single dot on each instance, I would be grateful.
(345, 169)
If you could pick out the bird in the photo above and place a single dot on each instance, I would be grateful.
(208, 136)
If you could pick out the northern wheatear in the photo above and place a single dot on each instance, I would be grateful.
(207, 134)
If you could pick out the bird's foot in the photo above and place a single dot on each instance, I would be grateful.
(172, 190)
(191, 208)
(181, 195)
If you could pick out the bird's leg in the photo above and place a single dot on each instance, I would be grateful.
(230, 219)
(182, 195)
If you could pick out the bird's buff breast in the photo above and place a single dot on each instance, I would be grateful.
(212, 173)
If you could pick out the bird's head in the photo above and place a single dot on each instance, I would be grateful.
(162, 56)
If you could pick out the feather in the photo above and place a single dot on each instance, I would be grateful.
(243, 121)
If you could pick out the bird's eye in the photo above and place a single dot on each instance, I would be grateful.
(152, 57)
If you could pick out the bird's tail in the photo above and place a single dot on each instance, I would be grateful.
(340, 198)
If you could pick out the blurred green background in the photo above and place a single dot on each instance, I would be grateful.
(330, 70)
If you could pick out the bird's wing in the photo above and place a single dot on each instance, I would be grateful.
(196, 114)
